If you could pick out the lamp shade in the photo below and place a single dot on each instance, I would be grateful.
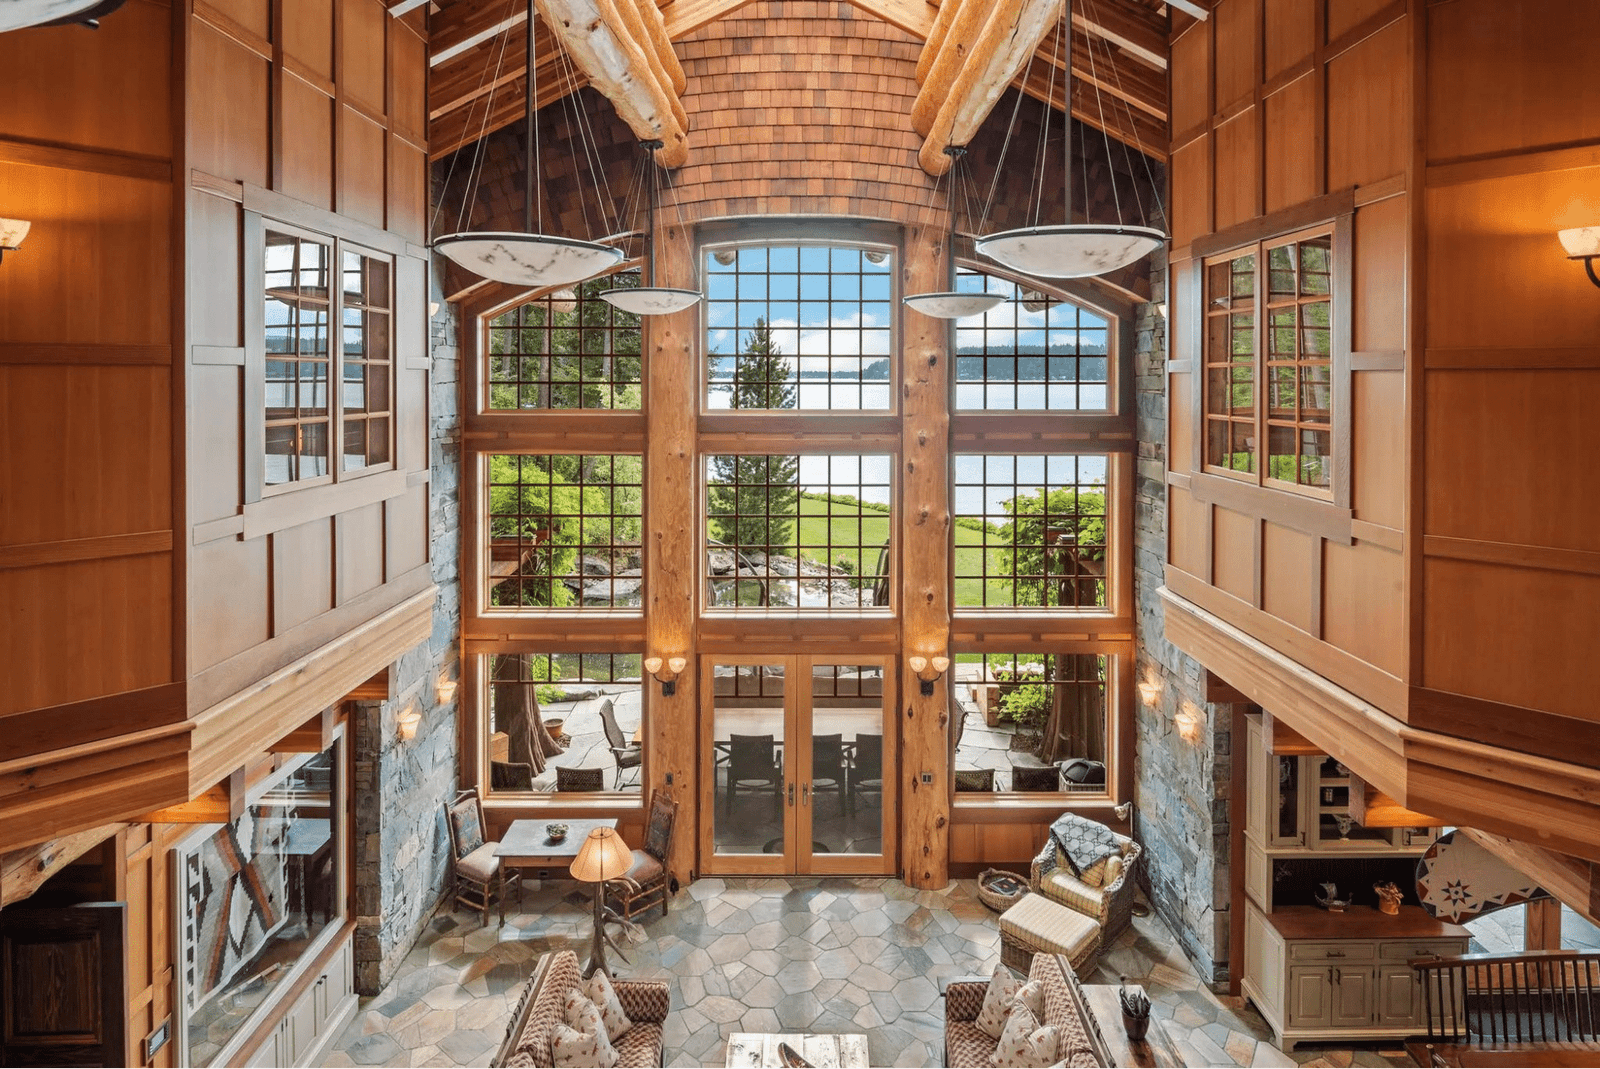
(528, 259)
(1579, 241)
(650, 300)
(1071, 251)
(12, 231)
(15, 14)
(603, 856)
(953, 305)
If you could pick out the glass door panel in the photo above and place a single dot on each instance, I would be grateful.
(842, 789)
(745, 791)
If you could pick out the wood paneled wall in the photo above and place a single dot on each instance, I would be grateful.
(1288, 114)
(163, 617)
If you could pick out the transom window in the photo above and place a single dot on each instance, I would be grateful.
(567, 349)
(799, 327)
(307, 436)
(564, 531)
(1034, 351)
(1281, 293)
(1029, 531)
(808, 532)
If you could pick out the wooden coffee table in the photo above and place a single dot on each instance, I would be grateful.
(526, 846)
(759, 1050)
(1154, 1051)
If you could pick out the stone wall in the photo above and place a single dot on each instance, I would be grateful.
(402, 844)
(1183, 762)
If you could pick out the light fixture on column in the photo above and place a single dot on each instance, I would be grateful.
(1068, 249)
(17, 14)
(603, 856)
(12, 231)
(530, 258)
(668, 678)
(651, 299)
(1583, 243)
(951, 305)
(928, 670)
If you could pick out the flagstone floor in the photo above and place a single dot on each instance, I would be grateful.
(768, 955)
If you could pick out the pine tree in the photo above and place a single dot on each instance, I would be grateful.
(754, 499)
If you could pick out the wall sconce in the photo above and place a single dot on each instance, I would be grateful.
(669, 678)
(1188, 722)
(1150, 691)
(1583, 243)
(928, 671)
(406, 723)
(447, 690)
(12, 231)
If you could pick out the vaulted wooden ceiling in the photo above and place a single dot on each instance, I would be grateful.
(479, 76)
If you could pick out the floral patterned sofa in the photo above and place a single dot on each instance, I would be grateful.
(528, 1037)
(1082, 1045)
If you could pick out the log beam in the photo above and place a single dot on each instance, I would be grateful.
(1003, 47)
(24, 871)
(1371, 808)
(954, 50)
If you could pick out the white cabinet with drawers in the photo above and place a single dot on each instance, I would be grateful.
(315, 1018)
(1324, 976)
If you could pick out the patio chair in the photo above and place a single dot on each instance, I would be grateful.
(753, 765)
(974, 779)
(628, 754)
(829, 769)
(866, 770)
(479, 879)
(580, 779)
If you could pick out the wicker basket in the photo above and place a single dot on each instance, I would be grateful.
(997, 899)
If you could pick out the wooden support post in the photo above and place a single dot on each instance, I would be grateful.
(924, 524)
(314, 736)
(1371, 808)
(672, 554)
(1281, 740)
(24, 871)
(1541, 928)
(221, 804)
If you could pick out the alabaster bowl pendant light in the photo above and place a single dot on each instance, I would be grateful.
(18, 14)
(531, 258)
(1071, 250)
(950, 305)
(651, 299)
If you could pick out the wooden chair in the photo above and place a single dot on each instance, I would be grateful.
(479, 878)
(580, 779)
(628, 754)
(646, 882)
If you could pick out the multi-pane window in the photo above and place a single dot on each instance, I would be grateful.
(564, 531)
(299, 307)
(809, 532)
(565, 721)
(799, 327)
(367, 364)
(567, 349)
(1034, 351)
(1030, 722)
(1029, 530)
(308, 436)
(1268, 362)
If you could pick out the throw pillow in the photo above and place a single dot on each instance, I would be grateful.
(603, 995)
(592, 1050)
(1031, 995)
(997, 1001)
(1025, 1044)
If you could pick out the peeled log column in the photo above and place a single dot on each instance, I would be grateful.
(924, 529)
(1005, 44)
(616, 66)
(956, 52)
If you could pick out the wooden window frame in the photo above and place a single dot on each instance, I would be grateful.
(517, 308)
(256, 485)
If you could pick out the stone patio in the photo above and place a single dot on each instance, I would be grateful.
(764, 955)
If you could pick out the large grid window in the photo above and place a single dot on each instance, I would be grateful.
(799, 327)
(568, 349)
(308, 436)
(565, 722)
(368, 363)
(1031, 722)
(1029, 531)
(1280, 294)
(1035, 351)
(299, 308)
(809, 532)
(564, 531)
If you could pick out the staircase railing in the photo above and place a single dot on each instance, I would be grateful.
(1489, 1000)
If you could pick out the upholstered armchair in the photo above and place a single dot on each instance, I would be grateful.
(1105, 890)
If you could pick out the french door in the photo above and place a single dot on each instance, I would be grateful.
(797, 765)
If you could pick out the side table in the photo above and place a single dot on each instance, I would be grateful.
(1154, 1051)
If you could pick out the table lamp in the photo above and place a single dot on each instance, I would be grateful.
(603, 856)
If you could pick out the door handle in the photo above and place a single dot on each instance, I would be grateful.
(805, 794)
(791, 793)
(1335, 954)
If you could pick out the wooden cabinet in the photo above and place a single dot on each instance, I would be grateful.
(1334, 976)
(315, 1018)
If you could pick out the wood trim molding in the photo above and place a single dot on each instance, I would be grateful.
(276, 207)
(1182, 480)
(282, 511)
(33, 554)
(1378, 360)
(53, 354)
(75, 158)
(219, 355)
(1571, 358)
(1323, 209)
(211, 530)
(1513, 554)
(1512, 163)
(217, 187)
(1305, 514)
(35, 732)
(1378, 535)
(1514, 727)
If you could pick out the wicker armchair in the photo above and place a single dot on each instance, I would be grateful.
(528, 1036)
(1109, 902)
(1082, 1043)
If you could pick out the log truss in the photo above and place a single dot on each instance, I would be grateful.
(479, 63)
